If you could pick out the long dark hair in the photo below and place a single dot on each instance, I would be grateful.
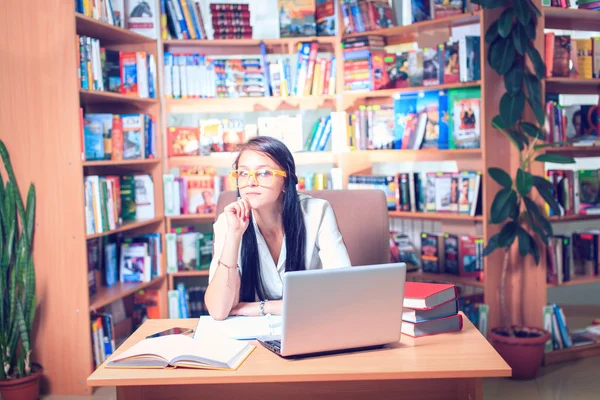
(293, 223)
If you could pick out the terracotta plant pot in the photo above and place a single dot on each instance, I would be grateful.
(27, 388)
(523, 352)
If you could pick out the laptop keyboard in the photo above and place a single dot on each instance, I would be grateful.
(273, 345)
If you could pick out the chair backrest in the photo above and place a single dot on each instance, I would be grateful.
(362, 218)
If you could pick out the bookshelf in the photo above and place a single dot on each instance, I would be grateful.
(41, 131)
(573, 85)
(444, 278)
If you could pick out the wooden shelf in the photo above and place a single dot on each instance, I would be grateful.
(107, 295)
(191, 218)
(435, 216)
(572, 354)
(413, 89)
(576, 217)
(225, 160)
(571, 19)
(98, 97)
(128, 226)
(184, 274)
(408, 33)
(390, 156)
(249, 104)
(579, 280)
(444, 278)
(574, 151)
(120, 163)
(573, 85)
(108, 34)
(250, 42)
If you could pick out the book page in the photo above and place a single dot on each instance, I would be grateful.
(240, 328)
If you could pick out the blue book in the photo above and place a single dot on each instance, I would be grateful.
(444, 121)
(562, 326)
(183, 309)
(405, 118)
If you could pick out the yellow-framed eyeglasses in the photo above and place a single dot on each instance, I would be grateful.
(263, 177)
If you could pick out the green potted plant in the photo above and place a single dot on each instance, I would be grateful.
(19, 377)
(524, 224)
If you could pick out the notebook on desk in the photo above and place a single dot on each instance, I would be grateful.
(183, 351)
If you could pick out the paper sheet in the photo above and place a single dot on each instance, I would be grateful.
(240, 328)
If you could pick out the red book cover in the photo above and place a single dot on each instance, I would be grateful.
(424, 296)
(468, 259)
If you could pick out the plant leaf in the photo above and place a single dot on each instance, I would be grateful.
(538, 110)
(522, 12)
(520, 39)
(513, 80)
(535, 252)
(555, 158)
(499, 123)
(501, 55)
(524, 182)
(520, 138)
(534, 8)
(532, 130)
(508, 234)
(503, 203)
(524, 239)
(500, 176)
(492, 32)
(545, 189)
(538, 62)
(534, 211)
(533, 87)
(505, 22)
(492, 245)
(511, 107)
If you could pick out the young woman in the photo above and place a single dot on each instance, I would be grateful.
(269, 230)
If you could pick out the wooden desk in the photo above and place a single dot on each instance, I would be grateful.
(448, 366)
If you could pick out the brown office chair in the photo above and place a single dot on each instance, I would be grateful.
(362, 218)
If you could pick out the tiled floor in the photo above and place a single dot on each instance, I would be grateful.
(570, 381)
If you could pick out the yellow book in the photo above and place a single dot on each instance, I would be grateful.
(316, 78)
(188, 19)
(584, 58)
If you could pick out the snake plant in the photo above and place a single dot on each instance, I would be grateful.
(17, 277)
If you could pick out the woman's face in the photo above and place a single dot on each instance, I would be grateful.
(260, 196)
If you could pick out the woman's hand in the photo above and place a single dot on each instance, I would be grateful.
(238, 216)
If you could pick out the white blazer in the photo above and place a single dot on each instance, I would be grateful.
(324, 245)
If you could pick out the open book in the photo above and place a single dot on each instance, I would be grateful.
(183, 351)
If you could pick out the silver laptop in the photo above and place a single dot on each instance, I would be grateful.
(332, 310)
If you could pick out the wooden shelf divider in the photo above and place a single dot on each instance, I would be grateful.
(107, 33)
(579, 280)
(128, 226)
(192, 218)
(413, 89)
(573, 85)
(571, 19)
(443, 278)
(435, 216)
(182, 274)
(576, 217)
(107, 295)
(121, 163)
(572, 354)
(99, 97)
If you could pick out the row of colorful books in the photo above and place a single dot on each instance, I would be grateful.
(216, 135)
(451, 62)
(572, 256)
(113, 200)
(576, 192)
(411, 11)
(101, 69)
(578, 124)
(567, 57)
(460, 255)
(195, 190)
(108, 11)
(451, 192)
(188, 249)
(425, 120)
(186, 302)
(118, 136)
